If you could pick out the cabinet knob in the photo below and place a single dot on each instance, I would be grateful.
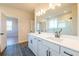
(31, 41)
(1, 33)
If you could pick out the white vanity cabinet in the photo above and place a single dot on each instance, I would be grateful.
(32, 43)
(42, 49)
(53, 53)
(68, 52)
(35, 44)
(37, 47)
(46, 48)
(53, 49)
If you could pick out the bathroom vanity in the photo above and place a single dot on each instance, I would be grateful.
(48, 45)
(66, 43)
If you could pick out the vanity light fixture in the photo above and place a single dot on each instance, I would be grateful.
(50, 6)
(58, 4)
(40, 12)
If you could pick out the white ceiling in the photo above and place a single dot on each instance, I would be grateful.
(31, 6)
(25, 6)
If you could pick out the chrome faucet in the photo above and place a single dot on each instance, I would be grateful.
(57, 33)
(39, 32)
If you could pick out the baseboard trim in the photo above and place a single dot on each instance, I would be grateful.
(1, 53)
(23, 42)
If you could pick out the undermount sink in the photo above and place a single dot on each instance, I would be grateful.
(55, 39)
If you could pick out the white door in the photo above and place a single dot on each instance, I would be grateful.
(3, 36)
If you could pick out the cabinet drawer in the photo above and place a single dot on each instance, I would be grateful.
(68, 52)
(53, 46)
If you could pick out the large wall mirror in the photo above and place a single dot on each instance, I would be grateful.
(61, 17)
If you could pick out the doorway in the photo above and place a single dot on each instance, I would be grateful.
(12, 31)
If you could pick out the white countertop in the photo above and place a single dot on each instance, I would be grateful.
(65, 41)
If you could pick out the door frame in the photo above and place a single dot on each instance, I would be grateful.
(3, 41)
(17, 27)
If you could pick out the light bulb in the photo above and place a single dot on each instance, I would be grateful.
(58, 4)
(53, 7)
(50, 5)
(65, 11)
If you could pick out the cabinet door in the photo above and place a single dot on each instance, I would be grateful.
(30, 42)
(68, 52)
(34, 45)
(53, 53)
(42, 49)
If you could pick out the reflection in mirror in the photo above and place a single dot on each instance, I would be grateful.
(63, 17)
(41, 26)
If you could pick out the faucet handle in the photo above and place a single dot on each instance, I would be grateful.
(60, 30)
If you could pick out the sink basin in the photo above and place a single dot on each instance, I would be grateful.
(55, 39)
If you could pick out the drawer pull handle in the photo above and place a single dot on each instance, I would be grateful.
(47, 52)
(34, 38)
(38, 40)
(31, 41)
(68, 53)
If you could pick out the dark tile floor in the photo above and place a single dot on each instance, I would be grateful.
(18, 50)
